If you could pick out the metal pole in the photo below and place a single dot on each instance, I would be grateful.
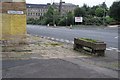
(104, 14)
(66, 21)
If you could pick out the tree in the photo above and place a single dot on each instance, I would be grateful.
(86, 9)
(49, 15)
(62, 21)
(70, 18)
(31, 21)
(115, 10)
(92, 10)
(79, 12)
(99, 12)
(103, 5)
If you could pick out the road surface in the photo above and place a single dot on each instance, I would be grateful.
(108, 35)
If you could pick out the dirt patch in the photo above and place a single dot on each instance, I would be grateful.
(38, 47)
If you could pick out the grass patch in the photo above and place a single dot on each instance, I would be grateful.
(89, 40)
(21, 50)
(53, 44)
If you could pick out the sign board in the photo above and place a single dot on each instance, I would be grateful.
(78, 19)
(15, 12)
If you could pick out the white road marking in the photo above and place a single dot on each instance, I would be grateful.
(44, 37)
(116, 37)
(118, 50)
(108, 49)
(35, 58)
(48, 37)
(113, 26)
(113, 49)
(62, 40)
(57, 39)
(67, 41)
(36, 35)
(72, 42)
(52, 38)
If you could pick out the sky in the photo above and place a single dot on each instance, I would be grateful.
(77, 2)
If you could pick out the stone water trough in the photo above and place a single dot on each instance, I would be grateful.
(89, 45)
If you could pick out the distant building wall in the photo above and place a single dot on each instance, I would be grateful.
(36, 10)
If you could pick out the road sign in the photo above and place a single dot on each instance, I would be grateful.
(15, 12)
(78, 19)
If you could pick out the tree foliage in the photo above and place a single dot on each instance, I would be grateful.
(95, 15)
(79, 12)
(70, 18)
(99, 12)
(48, 17)
(115, 10)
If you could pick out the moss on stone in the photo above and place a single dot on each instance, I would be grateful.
(89, 40)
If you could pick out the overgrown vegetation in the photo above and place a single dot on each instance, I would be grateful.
(89, 40)
(53, 44)
(96, 15)
(115, 11)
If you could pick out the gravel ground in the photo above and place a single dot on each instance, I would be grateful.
(38, 47)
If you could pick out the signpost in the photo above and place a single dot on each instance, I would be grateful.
(78, 19)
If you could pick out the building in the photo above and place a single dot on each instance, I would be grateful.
(13, 19)
(36, 10)
(65, 7)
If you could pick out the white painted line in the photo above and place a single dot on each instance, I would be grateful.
(108, 49)
(72, 42)
(62, 40)
(113, 26)
(44, 36)
(67, 41)
(57, 39)
(118, 50)
(52, 38)
(48, 37)
(113, 48)
(35, 58)
(116, 37)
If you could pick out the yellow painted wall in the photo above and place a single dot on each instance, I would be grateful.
(13, 26)
(0, 26)
(18, 24)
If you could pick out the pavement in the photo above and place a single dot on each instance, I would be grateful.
(43, 58)
(54, 68)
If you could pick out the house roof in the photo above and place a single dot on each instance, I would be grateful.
(65, 4)
(36, 5)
